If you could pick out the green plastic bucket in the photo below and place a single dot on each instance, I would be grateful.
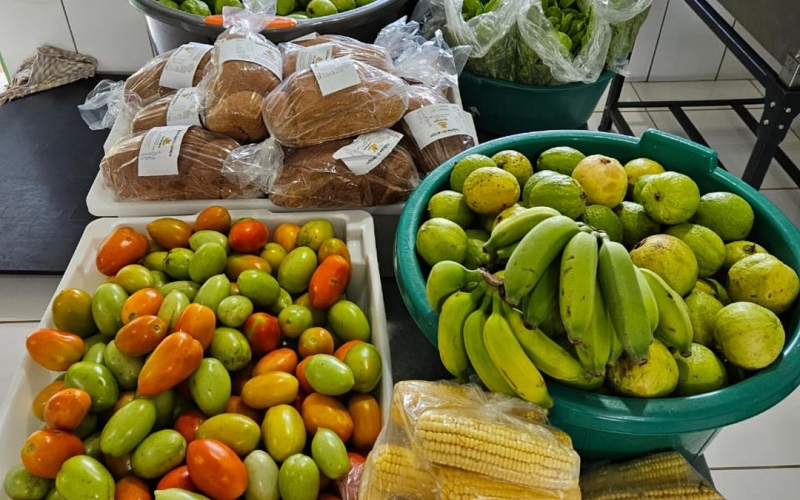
(506, 108)
(609, 427)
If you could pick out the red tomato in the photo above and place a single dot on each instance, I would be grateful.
(54, 349)
(175, 358)
(188, 422)
(141, 335)
(66, 409)
(199, 321)
(263, 332)
(328, 281)
(144, 302)
(132, 488)
(215, 218)
(177, 478)
(123, 246)
(215, 469)
(248, 236)
(44, 451)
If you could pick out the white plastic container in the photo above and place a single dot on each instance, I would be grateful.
(101, 202)
(355, 227)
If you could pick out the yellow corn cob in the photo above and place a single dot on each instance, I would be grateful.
(695, 491)
(456, 484)
(393, 472)
(660, 468)
(412, 397)
(526, 456)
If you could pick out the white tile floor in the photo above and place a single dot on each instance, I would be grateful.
(755, 459)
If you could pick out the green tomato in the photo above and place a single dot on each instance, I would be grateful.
(19, 484)
(128, 427)
(239, 432)
(213, 291)
(365, 362)
(95, 379)
(233, 311)
(159, 453)
(231, 347)
(188, 288)
(134, 277)
(107, 303)
(172, 307)
(327, 375)
(199, 238)
(330, 453)
(262, 476)
(348, 321)
(84, 478)
(259, 286)
(210, 386)
(207, 261)
(298, 478)
(124, 368)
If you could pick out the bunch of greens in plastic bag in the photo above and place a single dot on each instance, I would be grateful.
(626, 17)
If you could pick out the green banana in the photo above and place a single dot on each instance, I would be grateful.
(512, 229)
(577, 285)
(594, 349)
(650, 305)
(450, 337)
(545, 353)
(476, 350)
(624, 301)
(511, 361)
(447, 277)
(616, 345)
(503, 254)
(674, 324)
(535, 252)
(538, 305)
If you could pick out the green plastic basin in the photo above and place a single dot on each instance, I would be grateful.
(609, 427)
(505, 108)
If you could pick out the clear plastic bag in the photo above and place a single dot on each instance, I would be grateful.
(167, 72)
(299, 114)
(626, 18)
(104, 104)
(650, 476)
(254, 165)
(244, 68)
(182, 108)
(430, 16)
(313, 178)
(299, 54)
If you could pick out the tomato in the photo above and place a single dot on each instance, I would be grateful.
(300, 373)
(54, 349)
(123, 246)
(349, 485)
(19, 484)
(281, 360)
(364, 361)
(274, 255)
(263, 332)
(144, 302)
(270, 389)
(132, 488)
(175, 358)
(72, 312)
(46, 450)
(314, 233)
(248, 236)
(125, 397)
(170, 233)
(328, 281)
(298, 478)
(237, 405)
(188, 422)
(40, 401)
(262, 476)
(84, 477)
(241, 434)
(215, 218)
(66, 409)
(119, 467)
(128, 427)
(315, 340)
(215, 469)
(366, 415)
(240, 377)
(342, 351)
(285, 235)
(177, 478)
(319, 410)
(198, 321)
(141, 335)
(159, 453)
(239, 263)
(283, 432)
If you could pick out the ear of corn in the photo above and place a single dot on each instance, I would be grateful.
(457, 484)
(527, 455)
(695, 491)
(394, 472)
(660, 468)
(412, 397)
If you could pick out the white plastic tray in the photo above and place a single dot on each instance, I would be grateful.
(356, 228)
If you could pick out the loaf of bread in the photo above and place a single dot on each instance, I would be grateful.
(340, 46)
(312, 178)
(236, 88)
(298, 115)
(156, 114)
(200, 175)
(144, 86)
(440, 150)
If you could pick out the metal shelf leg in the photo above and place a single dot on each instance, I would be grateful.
(614, 93)
(772, 128)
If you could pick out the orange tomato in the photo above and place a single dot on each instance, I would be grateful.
(237, 405)
(169, 232)
(328, 281)
(123, 246)
(366, 414)
(177, 478)
(215, 469)
(248, 236)
(285, 235)
(333, 246)
(39, 402)
(125, 397)
(119, 467)
(187, 423)
(315, 340)
(132, 488)
(279, 360)
(343, 349)
(270, 389)
(45, 450)
(144, 302)
(141, 335)
(54, 349)
(215, 218)
(66, 409)
(300, 373)
(175, 358)
(199, 321)
(319, 410)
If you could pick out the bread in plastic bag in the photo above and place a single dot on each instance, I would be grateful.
(312, 177)
(626, 18)
(299, 54)
(299, 115)
(659, 475)
(198, 167)
(184, 68)
(184, 107)
(244, 68)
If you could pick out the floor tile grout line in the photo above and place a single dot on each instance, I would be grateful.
(755, 467)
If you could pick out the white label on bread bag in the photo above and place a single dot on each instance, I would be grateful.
(473, 132)
(179, 71)
(313, 55)
(437, 121)
(367, 151)
(254, 51)
(160, 149)
(184, 109)
(334, 75)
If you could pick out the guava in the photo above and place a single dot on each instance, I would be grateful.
(466, 166)
(603, 179)
(636, 224)
(764, 280)
(701, 372)
(750, 336)
(562, 159)
(604, 219)
(670, 198)
(708, 248)
(703, 309)
(727, 214)
(656, 378)
(451, 205)
(490, 190)
(670, 258)
(516, 163)
(738, 250)
(441, 239)
(560, 192)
